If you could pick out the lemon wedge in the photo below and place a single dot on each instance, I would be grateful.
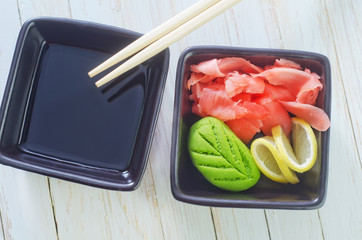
(270, 162)
(302, 156)
(304, 145)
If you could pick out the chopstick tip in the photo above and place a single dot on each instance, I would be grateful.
(98, 84)
(91, 74)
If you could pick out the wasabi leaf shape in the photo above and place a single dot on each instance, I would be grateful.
(221, 157)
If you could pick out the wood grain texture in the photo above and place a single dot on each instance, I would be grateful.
(106, 12)
(36, 8)
(37, 207)
(297, 225)
(179, 220)
(8, 36)
(186, 221)
(345, 192)
(298, 28)
(240, 224)
(344, 188)
(105, 214)
(25, 205)
(134, 215)
(345, 21)
(234, 223)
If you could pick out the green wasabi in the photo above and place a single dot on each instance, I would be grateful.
(221, 157)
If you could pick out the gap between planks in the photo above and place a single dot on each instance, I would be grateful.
(213, 223)
(156, 198)
(320, 224)
(2, 226)
(267, 224)
(48, 181)
(53, 209)
(70, 9)
(19, 13)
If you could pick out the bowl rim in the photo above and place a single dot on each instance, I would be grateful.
(204, 201)
(71, 175)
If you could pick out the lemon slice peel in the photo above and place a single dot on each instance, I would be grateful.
(269, 161)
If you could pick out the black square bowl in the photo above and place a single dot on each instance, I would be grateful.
(56, 122)
(188, 185)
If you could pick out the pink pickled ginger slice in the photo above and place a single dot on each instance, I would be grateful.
(278, 93)
(236, 83)
(209, 67)
(286, 63)
(245, 128)
(198, 77)
(216, 103)
(305, 86)
(277, 116)
(315, 116)
(231, 64)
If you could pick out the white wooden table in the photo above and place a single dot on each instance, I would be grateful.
(37, 207)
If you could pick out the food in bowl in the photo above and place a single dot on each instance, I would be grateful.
(231, 89)
(189, 185)
(250, 99)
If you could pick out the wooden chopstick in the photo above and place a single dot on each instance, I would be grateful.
(165, 41)
(154, 34)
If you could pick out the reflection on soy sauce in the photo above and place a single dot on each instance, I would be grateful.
(118, 86)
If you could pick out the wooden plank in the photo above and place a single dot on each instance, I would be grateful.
(179, 220)
(234, 29)
(345, 24)
(37, 8)
(134, 215)
(330, 27)
(304, 25)
(228, 223)
(89, 213)
(240, 223)
(79, 211)
(253, 23)
(294, 225)
(9, 32)
(258, 34)
(105, 12)
(25, 205)
(295, 27)
(341, 215)
(2, 234)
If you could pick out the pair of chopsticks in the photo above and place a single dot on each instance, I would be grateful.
(162, 37)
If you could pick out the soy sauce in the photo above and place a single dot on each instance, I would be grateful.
(70, 119)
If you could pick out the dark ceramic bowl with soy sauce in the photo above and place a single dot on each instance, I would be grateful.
(56, 122)
(187, 183)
